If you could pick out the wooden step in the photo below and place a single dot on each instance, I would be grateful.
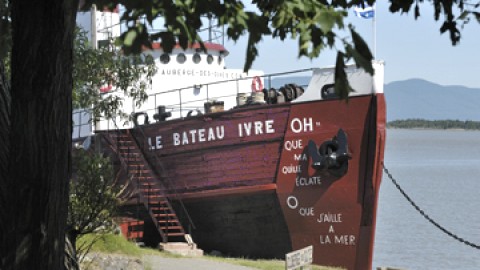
(171, 228)
(156, 195)
(175, 234)
(174, 222)
(165, 209)
(170, 216)
(158, 206)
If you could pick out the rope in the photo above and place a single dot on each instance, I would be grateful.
(440, 227)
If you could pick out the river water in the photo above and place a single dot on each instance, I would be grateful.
(440, 171)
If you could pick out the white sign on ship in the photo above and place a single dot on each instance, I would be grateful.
(299, 258)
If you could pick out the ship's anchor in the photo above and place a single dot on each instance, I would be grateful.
(332, 155)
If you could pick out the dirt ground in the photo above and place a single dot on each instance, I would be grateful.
(99, 261)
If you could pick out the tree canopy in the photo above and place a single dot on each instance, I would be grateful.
(315, 24)
(108, 67)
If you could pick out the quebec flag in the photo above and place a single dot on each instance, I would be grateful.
(367, 12)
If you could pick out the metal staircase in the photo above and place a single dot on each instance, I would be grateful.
(149, 190)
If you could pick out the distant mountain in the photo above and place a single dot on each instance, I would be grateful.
(417, 98)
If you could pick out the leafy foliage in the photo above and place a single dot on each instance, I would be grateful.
(129, 76)
(313, 23)
(93, 193)
(447, 10)
(92, 205)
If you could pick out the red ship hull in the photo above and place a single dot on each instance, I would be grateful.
(242, 181)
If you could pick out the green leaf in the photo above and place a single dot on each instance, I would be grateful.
(342, 86)
(130, 38)
(477, 15)
(326, 20)
(362, 55)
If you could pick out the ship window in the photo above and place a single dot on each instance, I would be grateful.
(196, 58)
(209, 59)
(181, 58)
(164, 58)
(328, 91)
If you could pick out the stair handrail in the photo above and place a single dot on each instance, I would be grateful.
(145, 201)
(160, 163)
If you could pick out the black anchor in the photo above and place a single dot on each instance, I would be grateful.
(332, 155)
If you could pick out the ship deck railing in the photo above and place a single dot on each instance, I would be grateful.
(182, 105)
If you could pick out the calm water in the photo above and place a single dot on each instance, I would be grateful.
(440, 170)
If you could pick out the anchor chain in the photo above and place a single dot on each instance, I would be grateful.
(433, 222)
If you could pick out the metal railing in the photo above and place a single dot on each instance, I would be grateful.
(183, 103)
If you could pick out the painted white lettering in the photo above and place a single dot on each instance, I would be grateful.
(248, 128)
(300, 157)
(292, 145)
(307, 124)
(258, 127)
(184, 138)
(158, 142)
(176, 139)
(193, 132)
(240, 130)
(291, 169)
(329, 218)
(304, 125)
(255, 128)
(201, 135)
(211, 134)
(325, 239)
(310, 181)
(306, 211)
(269, 127)
(331, 230)
(347, 240)
(220, 132)
(150, 146)
(292, 202)
(296, 125)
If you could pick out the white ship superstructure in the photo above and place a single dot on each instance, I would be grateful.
(186, 78)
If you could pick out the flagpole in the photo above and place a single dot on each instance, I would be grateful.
(374, 31)
(368, 12)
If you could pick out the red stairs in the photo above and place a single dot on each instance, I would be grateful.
(150, 190)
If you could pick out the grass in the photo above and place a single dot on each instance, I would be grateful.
(110, 243)
(117, 244)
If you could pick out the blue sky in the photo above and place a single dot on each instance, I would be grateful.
(410, 48)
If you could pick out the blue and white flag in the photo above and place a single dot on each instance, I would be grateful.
(366, 12)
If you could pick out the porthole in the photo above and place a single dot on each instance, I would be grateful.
(181, 58)
(196, 58)
(209, 59)
(164, 58)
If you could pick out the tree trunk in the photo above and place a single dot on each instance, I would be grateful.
(38, 172)
(4, 146)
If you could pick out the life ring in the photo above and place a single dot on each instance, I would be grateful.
(105, 89)
(197, 113)
(257, 85)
